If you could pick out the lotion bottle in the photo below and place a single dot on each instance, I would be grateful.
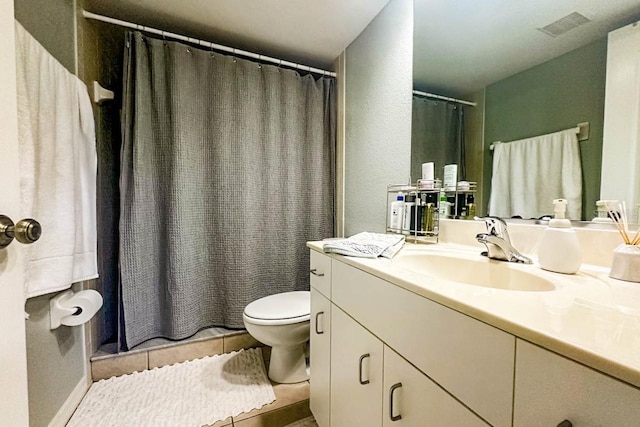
(559, 249)
(397, 214)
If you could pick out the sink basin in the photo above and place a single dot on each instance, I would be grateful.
(473, 269)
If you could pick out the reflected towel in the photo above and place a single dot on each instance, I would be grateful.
(528, 174)
(366, 245)
(58, 169)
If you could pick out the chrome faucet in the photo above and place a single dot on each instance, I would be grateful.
(497, 241)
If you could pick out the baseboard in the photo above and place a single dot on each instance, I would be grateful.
(69, 406)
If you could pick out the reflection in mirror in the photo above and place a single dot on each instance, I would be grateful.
(437, 134)
(532, 70)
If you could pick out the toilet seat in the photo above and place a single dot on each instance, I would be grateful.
(280, 309)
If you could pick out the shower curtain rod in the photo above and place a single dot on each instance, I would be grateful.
(444, 98)
(205, 43)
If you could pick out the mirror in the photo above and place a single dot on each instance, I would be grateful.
(530, 68)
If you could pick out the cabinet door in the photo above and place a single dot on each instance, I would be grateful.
(320, 357)
(550, 389)
(413, 400)
(356, 374)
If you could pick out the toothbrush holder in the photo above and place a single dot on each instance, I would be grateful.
(626, 263)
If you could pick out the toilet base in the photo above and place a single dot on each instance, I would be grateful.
(288, 364)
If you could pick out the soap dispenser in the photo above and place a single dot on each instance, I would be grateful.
(559, 249)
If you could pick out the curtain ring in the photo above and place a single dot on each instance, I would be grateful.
(164, 39)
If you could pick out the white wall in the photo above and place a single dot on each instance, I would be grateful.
(379, 68)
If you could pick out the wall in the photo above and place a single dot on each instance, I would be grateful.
(379, 68)
(101, 55)
(52, 23)
(56, 360)
(474, 145)
(551, 97)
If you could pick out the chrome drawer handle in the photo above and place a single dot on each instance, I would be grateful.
(314, 272)
(391, 391)
(364, 356)
(319, 332)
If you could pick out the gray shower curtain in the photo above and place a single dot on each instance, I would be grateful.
(437, 135)
(228, 168)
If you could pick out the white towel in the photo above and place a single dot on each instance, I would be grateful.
(366, 245)
(56, 133)
(528, 174)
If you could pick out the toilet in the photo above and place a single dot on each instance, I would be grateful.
(281, 321)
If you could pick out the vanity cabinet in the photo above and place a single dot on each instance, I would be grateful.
(550, 389)
(397, 358)
(357, 384)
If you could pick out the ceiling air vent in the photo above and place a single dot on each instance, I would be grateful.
(565, 24)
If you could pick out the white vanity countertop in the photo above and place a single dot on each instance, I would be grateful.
(589, 317)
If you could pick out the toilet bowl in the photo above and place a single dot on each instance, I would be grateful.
(281, 321)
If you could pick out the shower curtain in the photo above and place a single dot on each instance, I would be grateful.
(228, 168)
(437, 135)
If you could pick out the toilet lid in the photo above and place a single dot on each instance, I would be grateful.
(287, 305)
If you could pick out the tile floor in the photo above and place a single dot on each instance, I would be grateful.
(291, 404)
(292, 400)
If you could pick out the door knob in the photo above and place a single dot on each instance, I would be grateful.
(25, 231)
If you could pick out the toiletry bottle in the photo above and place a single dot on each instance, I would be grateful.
(428, 222)
(420, 215)
(397, 213)
(408, 223)
(559, 249)
(443, 205)
(471, 206)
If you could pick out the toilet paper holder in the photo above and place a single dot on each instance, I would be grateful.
(74, 308)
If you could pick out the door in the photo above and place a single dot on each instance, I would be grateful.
(13, 360)
(320, 359)
(413, 400)
(356, 374)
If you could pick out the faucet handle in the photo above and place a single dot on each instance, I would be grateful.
(495, 225)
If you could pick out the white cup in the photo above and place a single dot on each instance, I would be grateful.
(626, 263)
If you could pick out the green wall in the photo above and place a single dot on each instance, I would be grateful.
(550, 97)
(52, 23)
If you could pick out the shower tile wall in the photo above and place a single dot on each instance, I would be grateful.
(165, 352)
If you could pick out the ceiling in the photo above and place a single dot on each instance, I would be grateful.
(308, 32)
(462, 46)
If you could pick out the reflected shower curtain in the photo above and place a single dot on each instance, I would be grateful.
(437, 135)
(228, 168)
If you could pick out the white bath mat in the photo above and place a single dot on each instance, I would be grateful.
(305, 422)
(189, 394)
